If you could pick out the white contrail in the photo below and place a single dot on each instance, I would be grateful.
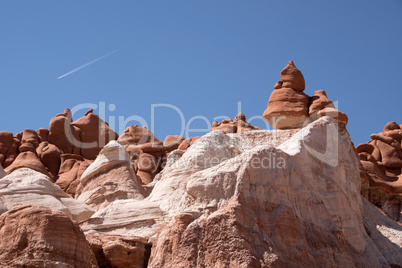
(89, 63)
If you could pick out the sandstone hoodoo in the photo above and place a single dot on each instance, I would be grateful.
(381, 170)
(288, 107)
(79, 195)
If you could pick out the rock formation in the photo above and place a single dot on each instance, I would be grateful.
(232, 200)
(381, 170)
(172, 142)
(288, 107)
(110, 177)
(120, 251)
(145, 150)
(238, 125)
(35, 236)
(94, 134)
(236, 197)
(28, 187)
(71, 169)
(8, 148)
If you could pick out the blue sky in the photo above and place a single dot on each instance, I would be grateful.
(202, 57)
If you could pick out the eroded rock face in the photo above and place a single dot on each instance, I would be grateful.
(28, 187)
(120, 251)
(238, 125)
(94, 134)
(71, 169)
(8, 148)
(238, 213)
(288, 107)
(110, 177)
(381, 170)
(145, 150)
(36, 236)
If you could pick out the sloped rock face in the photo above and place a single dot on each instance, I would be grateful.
(28, 187)
(381, 170)
(257, 199)
(244, 215)
(35, 236)
(110, 177)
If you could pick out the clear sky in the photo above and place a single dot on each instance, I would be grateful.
(199, 57)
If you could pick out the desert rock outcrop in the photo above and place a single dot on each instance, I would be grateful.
(238, 125)
(146, 151)
(8, 148)
(288, 107)
(110, 177)
(381, 170)
(28, 187)
(36, 236)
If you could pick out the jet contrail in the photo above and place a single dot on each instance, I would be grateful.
(89, 63)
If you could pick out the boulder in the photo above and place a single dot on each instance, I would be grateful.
(110, 177)
(28, 187)
(36, 236)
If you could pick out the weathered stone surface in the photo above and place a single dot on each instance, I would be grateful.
(49, 155)
(146, 151)
(62, 134)
(43, 134)
(29, 160)
(319, 101)
(94, 134)
(71, 169)
(172, 142)
(8, 148)
(110, 177)
(29, 141)
(120, 251)
(2, 172)
(238, 125)
(287, 109)
(238, 213)
(128, 217)
(36, 236)
(292, 77)
(381, 170)
(28, 187)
